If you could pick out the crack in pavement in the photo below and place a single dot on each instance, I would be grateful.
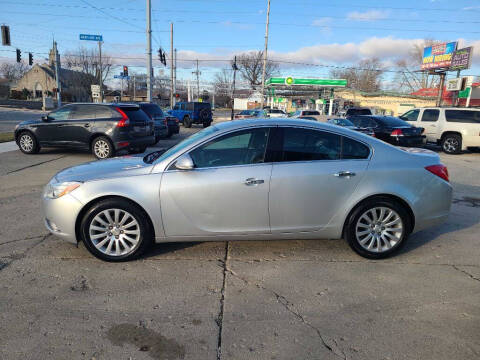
(466, 273)
(282, 300)
(33, 165)
(15, 257)
(222, 301)
(24, 239)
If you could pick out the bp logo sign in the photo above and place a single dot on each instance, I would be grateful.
(289, 80)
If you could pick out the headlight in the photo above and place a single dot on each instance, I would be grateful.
(17, 126)
(56, 190)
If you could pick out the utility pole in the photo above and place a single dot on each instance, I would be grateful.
(440, 89)
(197, 73)
(175, 71)
(100, 72)
(265, 53)
(171, 65)
(235, 68)
(189, 92)
(57, 75)
(134, 89)
(149, 51)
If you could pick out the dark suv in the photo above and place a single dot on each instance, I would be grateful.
(190, 113)
(165, 126)
(101, 128)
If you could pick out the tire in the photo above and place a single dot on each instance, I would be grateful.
(187, 122)
(361, 220)
(102, 148)
(129, 246)
(452, 144)
(28, 143)
(206, 124)
(204, 115)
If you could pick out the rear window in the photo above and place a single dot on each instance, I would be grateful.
(135, 114)
(311, 113)
(152, 109)
(359, 112)
(463, 116)
(391, 121)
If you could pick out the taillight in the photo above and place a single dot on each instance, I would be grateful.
(124, 121)
(440, 170)
(397, 132)
(166, 122)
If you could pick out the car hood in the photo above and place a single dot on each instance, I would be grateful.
(103, 169)
(30, 122)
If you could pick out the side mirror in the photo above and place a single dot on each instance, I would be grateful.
(185, 162)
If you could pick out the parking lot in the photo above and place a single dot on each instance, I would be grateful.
(235, 300)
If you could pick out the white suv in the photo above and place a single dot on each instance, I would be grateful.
(455, 129)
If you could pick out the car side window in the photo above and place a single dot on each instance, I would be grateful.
(411, 115)
(352, 149)
(182, 106)
(104, 112)
(60, 114)
(307, 145)
(189, 106)
(83, 112)
(176, 107)
(430, 115)
(238, 148)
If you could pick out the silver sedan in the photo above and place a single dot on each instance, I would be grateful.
(260, 179)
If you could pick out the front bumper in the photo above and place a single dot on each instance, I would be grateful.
(60, 216)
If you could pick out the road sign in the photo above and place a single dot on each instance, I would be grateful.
(454, 84)
(121, 77)
(95, 88)
(91, 37)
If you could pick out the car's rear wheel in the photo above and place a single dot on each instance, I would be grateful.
(102, 148)
(378, 228)
(27, 143)
(452, 144)
(116, 230)
(187, 122)
(206, 124)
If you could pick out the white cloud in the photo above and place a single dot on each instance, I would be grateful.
(371, 15)
(324, 24)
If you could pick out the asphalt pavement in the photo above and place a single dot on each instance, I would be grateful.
(235, 300)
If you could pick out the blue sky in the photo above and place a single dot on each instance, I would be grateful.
(317, 32)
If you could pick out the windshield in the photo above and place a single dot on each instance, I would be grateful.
(162, 154)
(391, 121)
(153, 110)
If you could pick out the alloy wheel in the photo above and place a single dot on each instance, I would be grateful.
(115, 232)
(102, 149)
(26, 143)
(379, 229)
(450, 145)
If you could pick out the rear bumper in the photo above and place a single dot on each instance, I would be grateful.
(173, 129)
(135, 142)
(470, 141)
(161, 132)
(408, 141)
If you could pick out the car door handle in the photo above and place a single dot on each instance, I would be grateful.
(344, 174)
(253, 181)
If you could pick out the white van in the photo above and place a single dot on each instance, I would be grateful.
(455, 129)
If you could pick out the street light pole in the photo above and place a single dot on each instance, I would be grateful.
(265, 54)
(171, 65)
(100, 72)
(57, 75)
(235, 68)
(149, 50)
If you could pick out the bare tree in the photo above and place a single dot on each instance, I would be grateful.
(223, 85)
(13, 71)
(251, 65)
(88, 62)
(409, 78)
(366, 76)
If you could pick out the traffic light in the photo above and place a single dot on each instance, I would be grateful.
(162, 57)
(5, 35)
(125, 70)
(30, 59)
(19, 55)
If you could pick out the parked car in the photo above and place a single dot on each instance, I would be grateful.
(268, 179)
(155, 113)
(390, 129)
(253, 113)
(189, 113)
(309, 113)
(358, 111)
(273, 113)
(349, 125)
(103, 129)
(455, 129)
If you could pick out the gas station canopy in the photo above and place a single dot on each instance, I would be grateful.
(291, 81)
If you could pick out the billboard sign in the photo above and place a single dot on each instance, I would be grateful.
(438, 55)
(462, 59)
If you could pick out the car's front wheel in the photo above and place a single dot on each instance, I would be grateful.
(187, 122)
(102, 148)
(116, 230)
(377, 228)
(452, 144)
(27, 143)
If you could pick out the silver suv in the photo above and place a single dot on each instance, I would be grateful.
(455, 129)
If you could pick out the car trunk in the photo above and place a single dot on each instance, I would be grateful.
(140, 123)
